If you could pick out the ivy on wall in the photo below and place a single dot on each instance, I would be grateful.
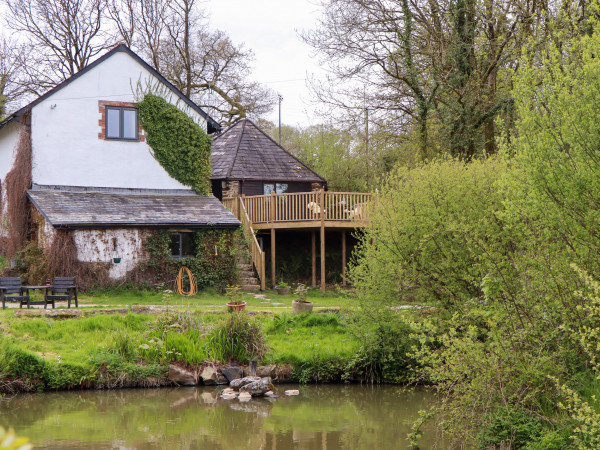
(179, 144)
(211, 268)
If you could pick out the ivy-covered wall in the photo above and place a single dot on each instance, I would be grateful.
(179, 144)
(211, 268)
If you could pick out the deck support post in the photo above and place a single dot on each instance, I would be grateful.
(313, 248)
(343, 258)
(273, 271)
(323, 212)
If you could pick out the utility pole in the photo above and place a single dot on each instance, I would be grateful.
(280, 99)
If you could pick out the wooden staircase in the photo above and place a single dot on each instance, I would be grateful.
(251, 258)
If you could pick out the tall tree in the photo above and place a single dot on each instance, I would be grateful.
(206, 65)
(11, 73)
(62, 37)
(437, 69)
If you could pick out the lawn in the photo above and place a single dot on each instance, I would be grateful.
(209, 299)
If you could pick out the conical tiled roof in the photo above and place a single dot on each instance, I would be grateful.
(245, 152)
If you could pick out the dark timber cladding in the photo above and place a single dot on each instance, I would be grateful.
(101, 209)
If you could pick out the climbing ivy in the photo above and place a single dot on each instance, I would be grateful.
(214, 264)
(178, 143)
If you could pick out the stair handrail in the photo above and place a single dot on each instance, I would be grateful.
(257, 256)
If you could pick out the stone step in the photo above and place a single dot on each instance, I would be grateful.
(249, 280)
(245, 267)
(250, 287)
(247, 273)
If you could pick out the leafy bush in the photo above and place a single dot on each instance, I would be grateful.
(431, 228)
(383, 356)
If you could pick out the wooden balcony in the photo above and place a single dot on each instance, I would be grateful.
(304, 210)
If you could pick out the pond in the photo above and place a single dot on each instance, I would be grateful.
(321, 417)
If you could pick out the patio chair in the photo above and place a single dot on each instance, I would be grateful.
(63, 289)
(12, 291)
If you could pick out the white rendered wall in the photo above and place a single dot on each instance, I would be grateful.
(104, 245)
(65, 144)
(9, 136)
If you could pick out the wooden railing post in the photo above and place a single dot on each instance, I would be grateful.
(322, 205)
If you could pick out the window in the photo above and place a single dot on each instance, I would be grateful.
(121, 123)
(182, 245)
(279, 188)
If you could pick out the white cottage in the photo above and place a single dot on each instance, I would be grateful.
(92, 171)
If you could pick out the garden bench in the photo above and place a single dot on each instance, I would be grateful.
(63, 289)
(12, 291)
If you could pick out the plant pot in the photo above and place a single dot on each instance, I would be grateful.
(235, 307)
(283, 290)
(299, 307)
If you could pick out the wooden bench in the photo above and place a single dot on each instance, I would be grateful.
(12, 291)
(63, 289)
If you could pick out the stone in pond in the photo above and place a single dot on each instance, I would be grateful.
(292, 392)
(238, 383)
(211, 376)
(257, 388)
(181, 376)
(232, 372)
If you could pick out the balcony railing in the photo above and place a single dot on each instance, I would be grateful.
(350, 208)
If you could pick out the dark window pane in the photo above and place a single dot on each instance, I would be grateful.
(129, 124)
(187, 244)
(174, 247)
(112, 123)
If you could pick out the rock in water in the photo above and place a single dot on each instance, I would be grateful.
(232, 372)
(181, 376)
(238, 383)
(211, 376)
(292, 392)
(257, 388)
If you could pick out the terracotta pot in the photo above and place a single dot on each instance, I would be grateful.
(299, 307)
(283, 290)
(235, 307)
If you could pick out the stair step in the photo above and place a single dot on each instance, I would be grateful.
(250, 287)
(247, 273)
(249, 280)
(245, 267)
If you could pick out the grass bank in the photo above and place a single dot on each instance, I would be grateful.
(122, 350)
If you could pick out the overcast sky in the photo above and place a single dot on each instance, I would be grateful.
(283, 63)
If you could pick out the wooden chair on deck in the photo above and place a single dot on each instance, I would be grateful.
(63, 289)
(12, 291)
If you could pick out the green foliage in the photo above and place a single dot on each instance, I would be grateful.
(177, 142)
(210, 269)
(430, 230)
(383, 355)
(238, 337)
(510, 428)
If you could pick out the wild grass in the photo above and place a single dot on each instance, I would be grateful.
(73, 351)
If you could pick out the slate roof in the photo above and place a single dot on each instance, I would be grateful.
(84, 209)
(245, 152)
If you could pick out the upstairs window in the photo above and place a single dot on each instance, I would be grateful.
(121, 123)
(182, 245)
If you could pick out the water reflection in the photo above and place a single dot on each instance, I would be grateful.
(322, 417)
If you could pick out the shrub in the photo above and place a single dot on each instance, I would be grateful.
(236, 338)
(431, 229)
